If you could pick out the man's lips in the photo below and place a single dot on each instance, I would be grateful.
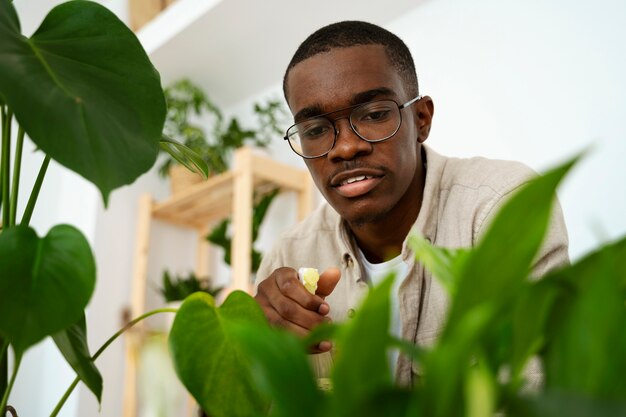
(355, 183)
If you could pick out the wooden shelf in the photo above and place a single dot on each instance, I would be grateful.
(213, 199)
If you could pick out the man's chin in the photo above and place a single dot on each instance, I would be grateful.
(361, 219)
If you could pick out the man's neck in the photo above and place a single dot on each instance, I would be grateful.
(382, 239)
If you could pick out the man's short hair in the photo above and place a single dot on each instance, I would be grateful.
(353, 33)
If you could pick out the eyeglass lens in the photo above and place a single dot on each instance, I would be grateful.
(374, 121)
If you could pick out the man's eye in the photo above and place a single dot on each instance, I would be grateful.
(375, 115)
(314, 131)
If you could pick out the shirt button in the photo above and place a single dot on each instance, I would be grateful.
(351, 313)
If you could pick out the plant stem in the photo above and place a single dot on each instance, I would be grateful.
(4, 361)
(5, 398)
(103, 348)
(16, 175)
(3, 116)
(28, 212)
(6, 165)
(65, 396)
(4, 366)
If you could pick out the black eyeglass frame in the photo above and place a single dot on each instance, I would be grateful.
(354, 107)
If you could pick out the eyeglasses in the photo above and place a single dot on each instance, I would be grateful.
(374, 121)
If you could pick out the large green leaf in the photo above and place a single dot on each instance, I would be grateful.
(72, 342)
(361, 365)
(281, 370)
(209, 360)
(45, 283)
(586, 352)
(85, 92)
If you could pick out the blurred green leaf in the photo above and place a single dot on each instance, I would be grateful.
(361, 365)
(480, 393)
(208, 358)
(324, 331)
(45, 284)
(185, 156)
(503, 258)
(72, 342)
(445, 264)
(586, 352)
(12, 18)
(530, 315)
(387, 402)
(558, 404)
(281, 371)
(85, 92)
(446, 366)
(489, 278)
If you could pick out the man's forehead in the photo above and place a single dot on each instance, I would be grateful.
(342, 76)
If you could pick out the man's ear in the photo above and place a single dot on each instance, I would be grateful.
(424, 110)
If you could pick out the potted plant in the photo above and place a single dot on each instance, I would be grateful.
(188, 109)
(573, 320)
(84, 91)
(178, 287)
(175, 288)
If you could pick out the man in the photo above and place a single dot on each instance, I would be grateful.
(360, 125)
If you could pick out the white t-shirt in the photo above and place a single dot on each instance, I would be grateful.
(374, 274)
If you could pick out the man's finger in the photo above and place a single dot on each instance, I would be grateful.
(327, 282)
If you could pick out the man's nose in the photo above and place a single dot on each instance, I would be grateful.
(348, 145)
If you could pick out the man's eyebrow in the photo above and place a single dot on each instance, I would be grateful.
(362, 97)
(308, 112)
(372, 94)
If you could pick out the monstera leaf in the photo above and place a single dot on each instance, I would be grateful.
(208, 356)
(45, 283)
(85, 92)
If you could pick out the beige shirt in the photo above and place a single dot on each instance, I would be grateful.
(460, 198)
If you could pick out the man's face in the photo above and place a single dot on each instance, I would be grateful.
(364, 182)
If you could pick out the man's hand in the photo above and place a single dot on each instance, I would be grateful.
(286, 303)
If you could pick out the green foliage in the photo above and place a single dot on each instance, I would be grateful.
(278, 362)
(353, 383)
(85, 92)
(72, 343)
(187, 103)
(45, 283)
(202, 345)
(573, 321)
(220, 235)
(587, 325)
(180, 287)
(184, 156)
